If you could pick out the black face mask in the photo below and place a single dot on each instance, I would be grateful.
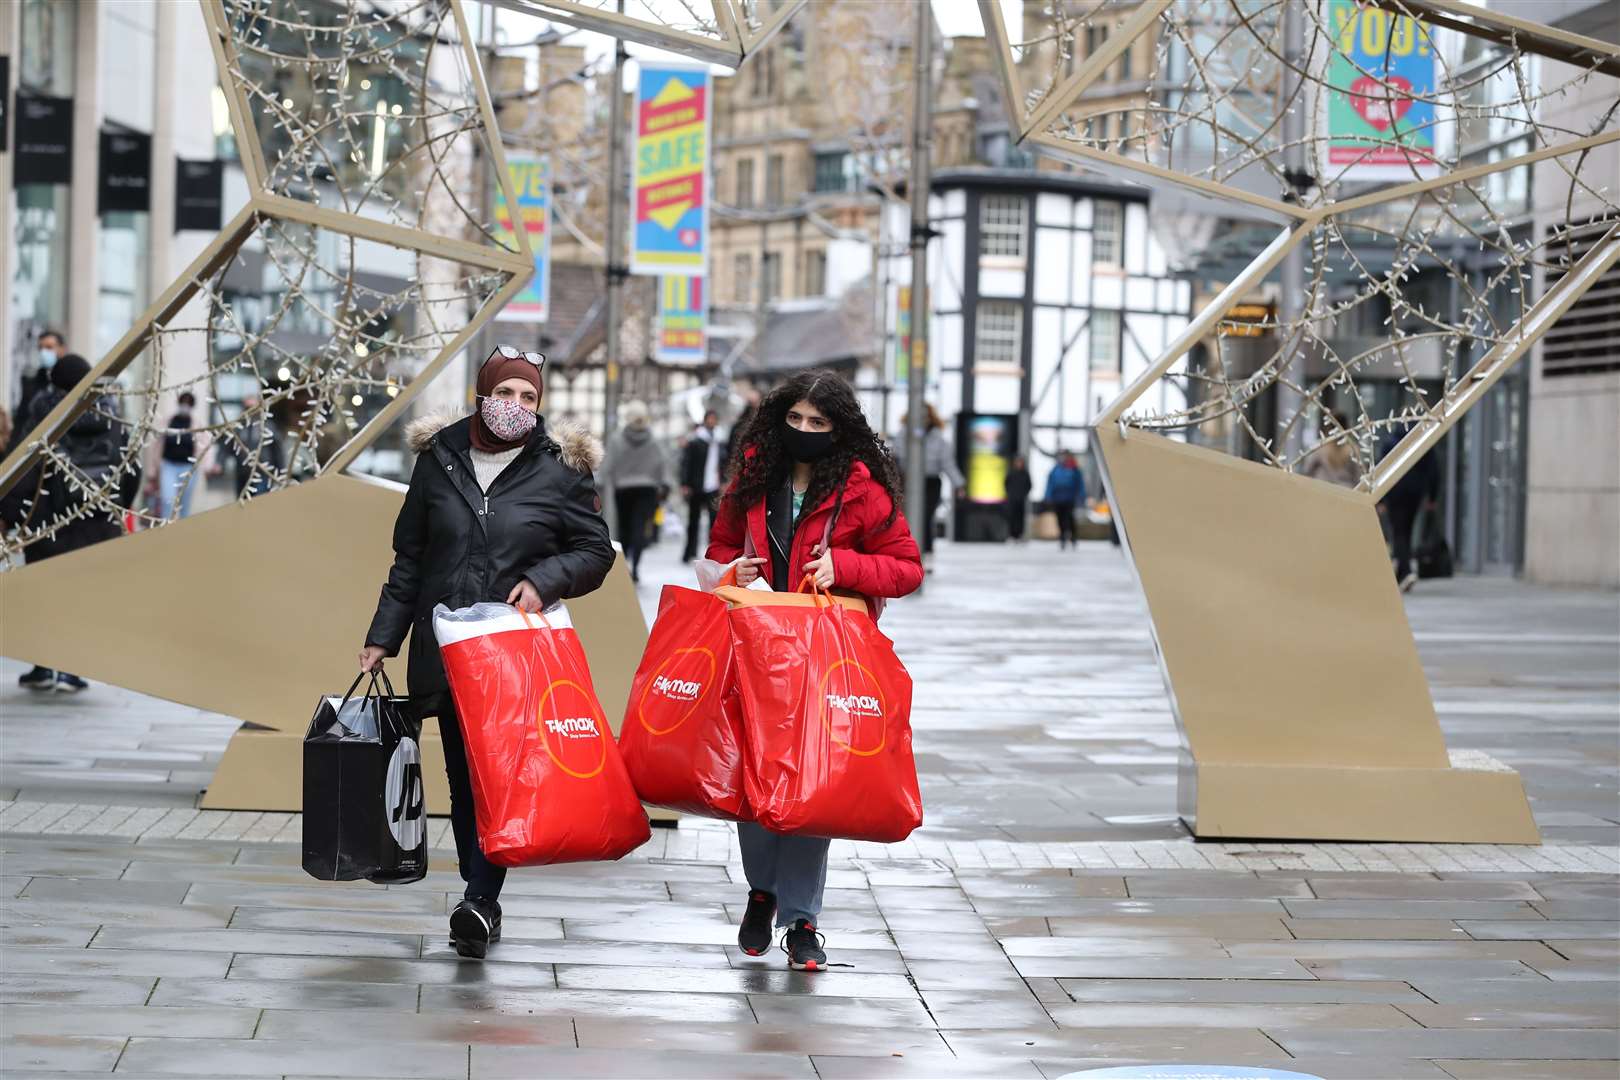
(806, 446)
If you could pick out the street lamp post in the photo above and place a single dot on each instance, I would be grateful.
(917, 362)
(616, 270)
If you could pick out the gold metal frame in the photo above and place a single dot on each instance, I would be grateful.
(1286, 594)
(732, 48)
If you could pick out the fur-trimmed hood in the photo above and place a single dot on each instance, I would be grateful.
(577, 447)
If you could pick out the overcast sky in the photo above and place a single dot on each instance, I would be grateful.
(956, 18)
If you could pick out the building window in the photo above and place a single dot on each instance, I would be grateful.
(1107, 233)
(773, 180)
(1125, 63)
(815, 273)
(832, 172)
(764, 74)
(1001, 226)
(1105, 341)
(1096, 37)
(745, 182)
(998, 333)
(742, 279)
(772, 275)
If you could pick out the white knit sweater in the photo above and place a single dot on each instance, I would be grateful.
(486, 467)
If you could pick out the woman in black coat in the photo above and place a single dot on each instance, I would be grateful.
(499, 509)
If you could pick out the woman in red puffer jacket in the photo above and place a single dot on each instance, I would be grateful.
(814, 494)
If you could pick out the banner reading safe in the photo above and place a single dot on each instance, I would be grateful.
(669, 204)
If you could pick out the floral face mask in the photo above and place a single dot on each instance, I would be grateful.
(507, 419)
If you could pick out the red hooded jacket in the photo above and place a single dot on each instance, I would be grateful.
(869, 557)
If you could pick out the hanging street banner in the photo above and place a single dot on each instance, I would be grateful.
(683, 323)
(531, 184)
(669, 203)
(1382, 83)
(902, 335)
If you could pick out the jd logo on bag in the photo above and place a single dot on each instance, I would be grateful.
(403, 792)
(572, 729)
(854, 709)
(676, 690)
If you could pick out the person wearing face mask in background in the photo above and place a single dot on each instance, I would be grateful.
(94, 443)
(636, 470)
(500, 508)
(702, 465)
(808, 466)
(51, 349)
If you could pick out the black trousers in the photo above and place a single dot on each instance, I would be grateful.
(635, 506)
(1065, 522)
(696, 506)
(483, 877)
(1017, 514)
(933, 492)
(1402, 517)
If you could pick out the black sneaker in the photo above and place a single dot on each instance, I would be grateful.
(70, 684)
(41, 678)
(803, 946)
(475, 925)
(754, 936)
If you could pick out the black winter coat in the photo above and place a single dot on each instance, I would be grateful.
(95, 444)
(457, 546)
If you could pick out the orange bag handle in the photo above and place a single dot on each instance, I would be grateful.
(544, 622)
(728, 578)
(820, 594)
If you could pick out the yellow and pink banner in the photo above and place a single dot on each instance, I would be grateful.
(669, 203)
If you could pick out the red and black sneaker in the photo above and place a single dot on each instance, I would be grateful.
(803, 947)
(754, 936)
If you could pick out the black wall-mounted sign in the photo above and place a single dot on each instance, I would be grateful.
(199, 195)
(44, 140)
(5, 101)
(126, 172)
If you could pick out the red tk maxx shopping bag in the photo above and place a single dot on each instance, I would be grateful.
(827, 707)
(682, 732)
(547, 780)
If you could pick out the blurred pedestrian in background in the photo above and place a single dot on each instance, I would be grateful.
(939, 464)
(180, 453)
(94, 446)
(1019, 486)
(702, 463)
(637, 470)
(1334, 458)
(255, 451)
(1412, 494)
(51, 349)
(1065, 488)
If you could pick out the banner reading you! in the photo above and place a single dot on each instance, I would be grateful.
(531, 184)
(669, 204)
(1381, 113)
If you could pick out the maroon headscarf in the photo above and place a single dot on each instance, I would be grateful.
(496, 370)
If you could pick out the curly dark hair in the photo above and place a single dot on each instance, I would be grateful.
(760, 464)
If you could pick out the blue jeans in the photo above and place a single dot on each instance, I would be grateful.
(794, 868)
(178, 477)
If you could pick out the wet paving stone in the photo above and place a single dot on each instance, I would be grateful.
(60, 1052)
(230, 1057)
(1042, 921)
(1545, 1044)
(124, 1021)
(331, 994)
(35, 988)
(1228, 1015)
(645, 1007)
(1238, 991)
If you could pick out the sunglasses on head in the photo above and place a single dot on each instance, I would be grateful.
(512, 352)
